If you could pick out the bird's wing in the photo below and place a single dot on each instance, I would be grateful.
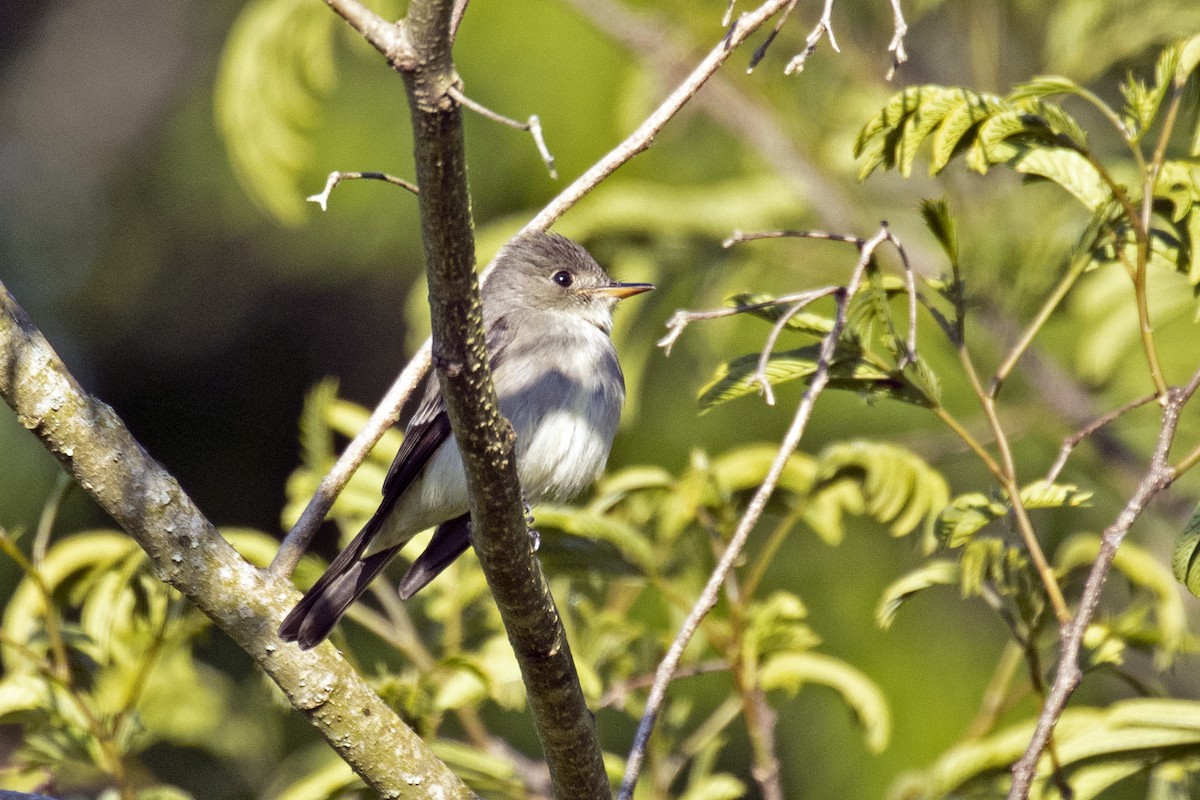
(426, 432)
(430, 425)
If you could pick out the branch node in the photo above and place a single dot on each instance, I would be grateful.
(336, 177)
(533, 126)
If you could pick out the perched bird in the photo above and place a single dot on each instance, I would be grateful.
(547, 314)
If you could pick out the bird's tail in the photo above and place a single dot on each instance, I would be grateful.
(347, 577)
(450, 540)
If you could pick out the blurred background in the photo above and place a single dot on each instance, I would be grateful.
(153, 165)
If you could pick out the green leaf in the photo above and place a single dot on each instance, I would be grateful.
(917, 127)
(849, 371)
(940, 572)
(324, 782)
(941, 224)
(973, 109)
(720, 786)
(1042, 494)
(1068, 169)
(1184, 562)
(790, 671)
(1189, 59)
(746, 467)
(776, 625)
(896, 487)
(1042, 86)
(965, 516)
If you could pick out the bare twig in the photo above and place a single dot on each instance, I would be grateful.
(681, 319)
(641, 139)
(896, 48)
(41, 538)
(1071, 442)
(389, 38)
(764, 357)
(1068, 675)
(533, 125)
(761, 50)
(385, 415)
(336, 177)
(824, 28)
(708, 597)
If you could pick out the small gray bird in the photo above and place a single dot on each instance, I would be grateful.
(547, 314)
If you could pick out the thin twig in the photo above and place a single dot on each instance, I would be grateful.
(1071, 442)
(764, 357)
(41, 539)
(896, 48)
(1068, 674)
(761, 50)
(708, 598)
(385, 415)
(533, 125)
(824, 28)
(616, 695)
(641, 139)
(336, 177)
(389, 38)
(456, 17)
(681, 319)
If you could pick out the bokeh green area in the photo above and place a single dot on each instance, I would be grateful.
(152, 223)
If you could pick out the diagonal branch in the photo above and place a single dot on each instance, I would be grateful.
(1068, 675)
(97, 449)
(758, 503)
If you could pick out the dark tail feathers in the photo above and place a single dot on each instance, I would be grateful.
(450, 540)
(324, 604)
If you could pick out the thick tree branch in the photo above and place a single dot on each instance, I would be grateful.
(565, 725)
(186, 551)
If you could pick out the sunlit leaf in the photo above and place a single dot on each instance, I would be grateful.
(940, 572)
(1068, 169)
(973, 108)
(941, 224)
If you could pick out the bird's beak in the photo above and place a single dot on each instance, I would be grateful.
(623, 290)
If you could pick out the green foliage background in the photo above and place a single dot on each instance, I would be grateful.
(153, 164)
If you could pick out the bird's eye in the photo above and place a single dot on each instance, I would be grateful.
(562, 278)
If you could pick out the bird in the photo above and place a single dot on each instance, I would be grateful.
(547, 318)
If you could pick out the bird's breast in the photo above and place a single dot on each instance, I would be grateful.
(564, 403)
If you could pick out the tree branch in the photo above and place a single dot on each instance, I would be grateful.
(565, 726)
(1068, 675)
(758, 503)
(186, 551)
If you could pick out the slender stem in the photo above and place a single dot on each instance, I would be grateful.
(1068, 674)
(992, 704)
(1035, 326)
(708, 597)
(1008, 480)
(58, 648)
(641, 139)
